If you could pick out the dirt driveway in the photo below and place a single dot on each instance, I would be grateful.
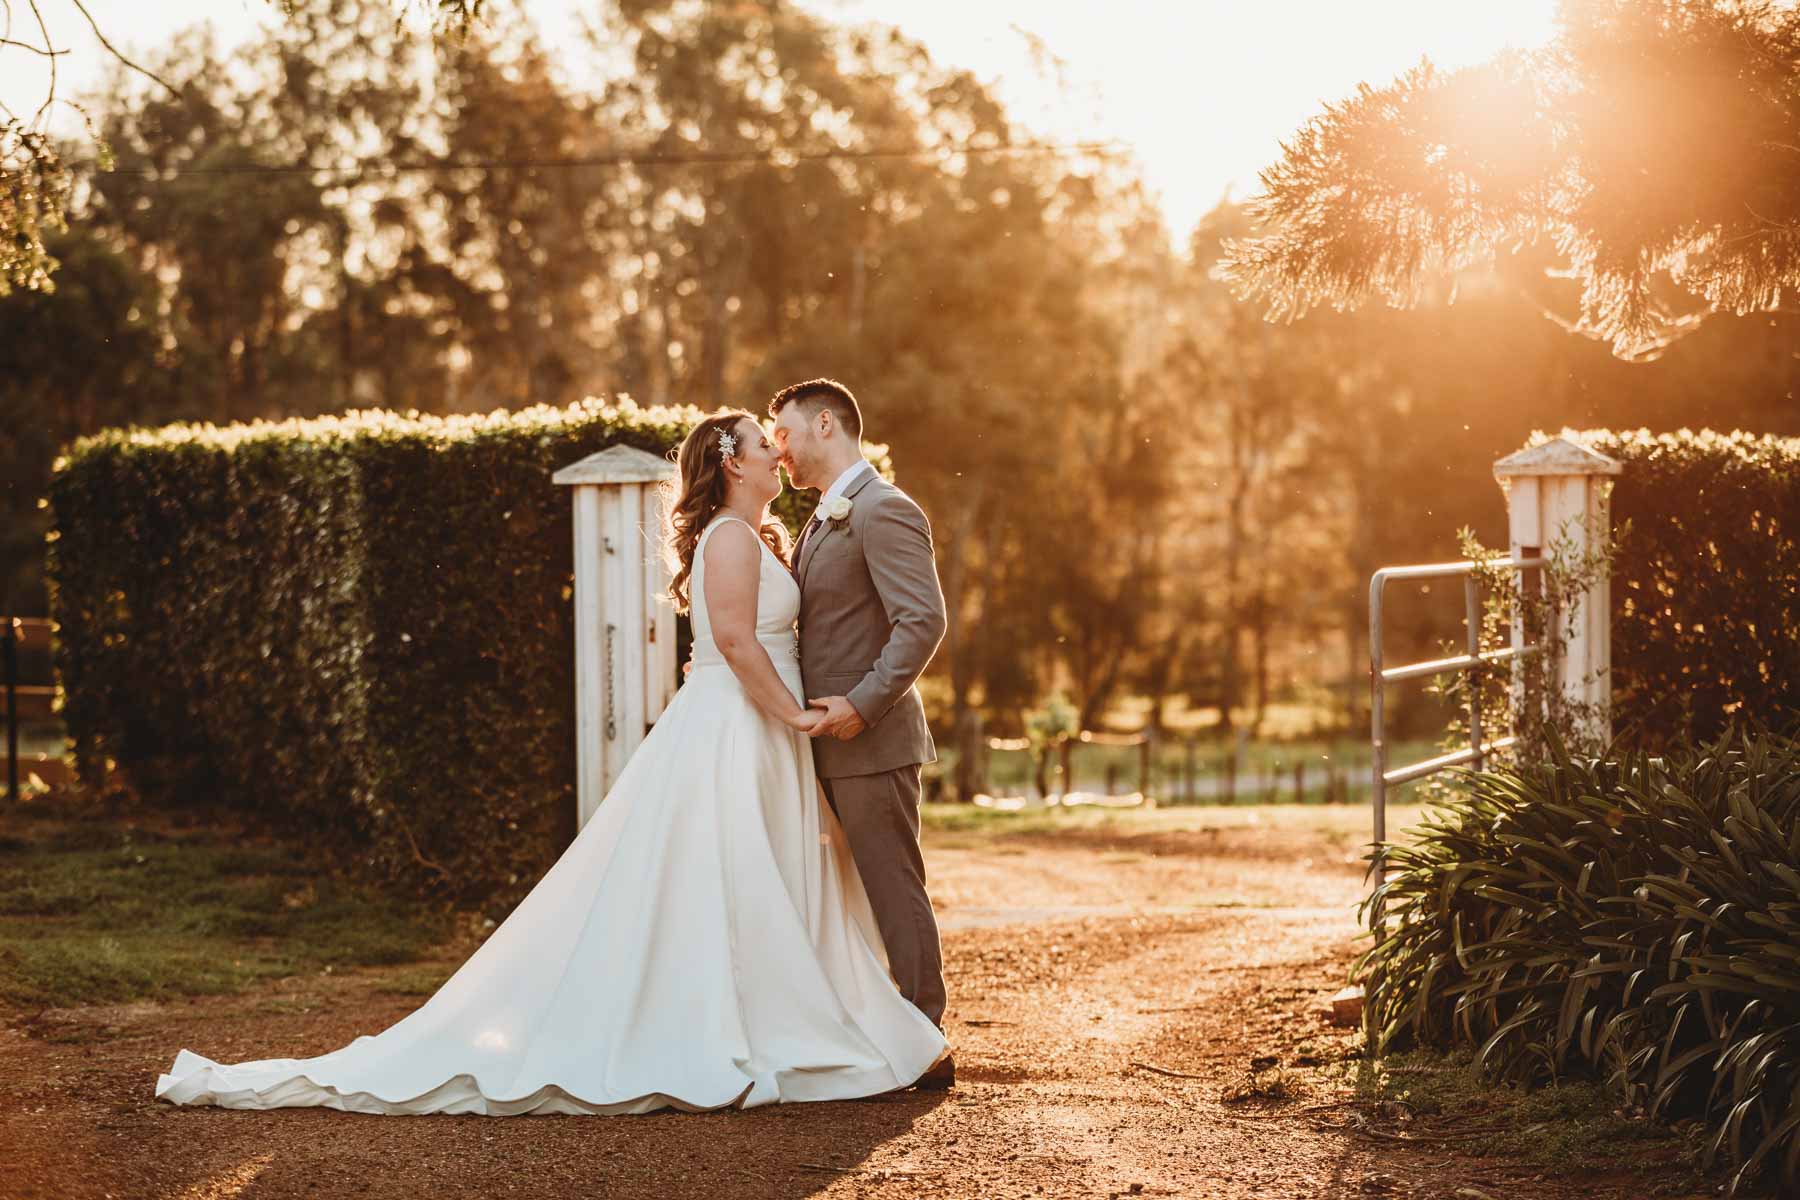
(1138, 1009)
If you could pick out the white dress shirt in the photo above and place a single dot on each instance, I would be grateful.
(842, 484)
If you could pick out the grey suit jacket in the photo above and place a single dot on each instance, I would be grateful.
(871, 617)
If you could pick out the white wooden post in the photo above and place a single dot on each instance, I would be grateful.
(1557, 500)
(624, 627)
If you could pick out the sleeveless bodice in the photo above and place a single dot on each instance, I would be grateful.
(777, 605)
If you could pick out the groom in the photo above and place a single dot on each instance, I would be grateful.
(871, 616)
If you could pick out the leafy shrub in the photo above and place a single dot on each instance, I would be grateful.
(1706, 583)
(1636, 919)
(357, 624)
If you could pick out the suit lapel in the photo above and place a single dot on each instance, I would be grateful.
(811, 549)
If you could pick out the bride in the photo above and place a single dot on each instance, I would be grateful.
(705, 942)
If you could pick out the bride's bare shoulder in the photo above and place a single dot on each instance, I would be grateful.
(730, 541)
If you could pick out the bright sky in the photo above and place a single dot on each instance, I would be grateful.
(1202, 89)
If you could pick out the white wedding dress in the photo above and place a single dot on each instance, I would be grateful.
(704, 942)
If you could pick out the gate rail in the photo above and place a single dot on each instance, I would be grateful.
(1380, 675)
(25, 701)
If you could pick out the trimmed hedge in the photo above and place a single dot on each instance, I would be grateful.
(1706, 582)
(1636, 920)
(359, 624)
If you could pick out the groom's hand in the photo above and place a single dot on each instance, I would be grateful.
(842, 721)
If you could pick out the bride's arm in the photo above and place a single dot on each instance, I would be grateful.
(733, 573)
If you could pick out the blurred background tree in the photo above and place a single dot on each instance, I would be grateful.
(35, 181)
(1145, 497)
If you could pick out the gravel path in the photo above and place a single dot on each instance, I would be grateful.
(1116, 1000)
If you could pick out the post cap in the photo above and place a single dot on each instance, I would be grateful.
(616, 464)
(1558, 456)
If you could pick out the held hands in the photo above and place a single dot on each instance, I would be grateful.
(839, 718)
(806, 720)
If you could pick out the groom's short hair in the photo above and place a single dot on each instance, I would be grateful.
(815, 395)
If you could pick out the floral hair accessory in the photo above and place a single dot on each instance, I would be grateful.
(727, 443)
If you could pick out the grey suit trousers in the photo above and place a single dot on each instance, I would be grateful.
(880, 816)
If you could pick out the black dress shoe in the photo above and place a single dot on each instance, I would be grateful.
(941, 1077)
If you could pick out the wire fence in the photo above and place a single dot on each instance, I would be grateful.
(1169, 769)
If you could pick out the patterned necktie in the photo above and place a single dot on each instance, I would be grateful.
(805, 536)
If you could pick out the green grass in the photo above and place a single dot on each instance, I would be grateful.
(1576, 1126)
(421, 980)
(102, 912)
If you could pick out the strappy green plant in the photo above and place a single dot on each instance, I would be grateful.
(1624, 917)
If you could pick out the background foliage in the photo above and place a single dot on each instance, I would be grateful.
(357, 625)
(1706, 581)
(1139, 488)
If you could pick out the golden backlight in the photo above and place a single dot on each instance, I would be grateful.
(1201, 90)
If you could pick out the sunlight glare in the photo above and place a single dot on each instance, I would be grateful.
(1203, 92)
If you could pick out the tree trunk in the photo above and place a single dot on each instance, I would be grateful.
(718, 337)
(859, 273)
(1094, 701)
(1231, 674)
(953, 551)
(1162, 671)
(1363, 452)
(1227, 678)
(971, 756)
(1259, 631)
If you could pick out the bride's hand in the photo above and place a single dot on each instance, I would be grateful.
(805, 721)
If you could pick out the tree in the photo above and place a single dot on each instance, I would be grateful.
(70, 364)
(1655, 145)
(36, 183)
(737, 196)
(227, 189)
(530, 250)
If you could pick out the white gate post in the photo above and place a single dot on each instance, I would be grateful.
(1557, 501)
(624, 626)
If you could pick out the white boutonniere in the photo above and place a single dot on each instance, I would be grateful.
(837, 510)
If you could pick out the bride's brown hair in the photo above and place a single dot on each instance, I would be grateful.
(695, 496)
